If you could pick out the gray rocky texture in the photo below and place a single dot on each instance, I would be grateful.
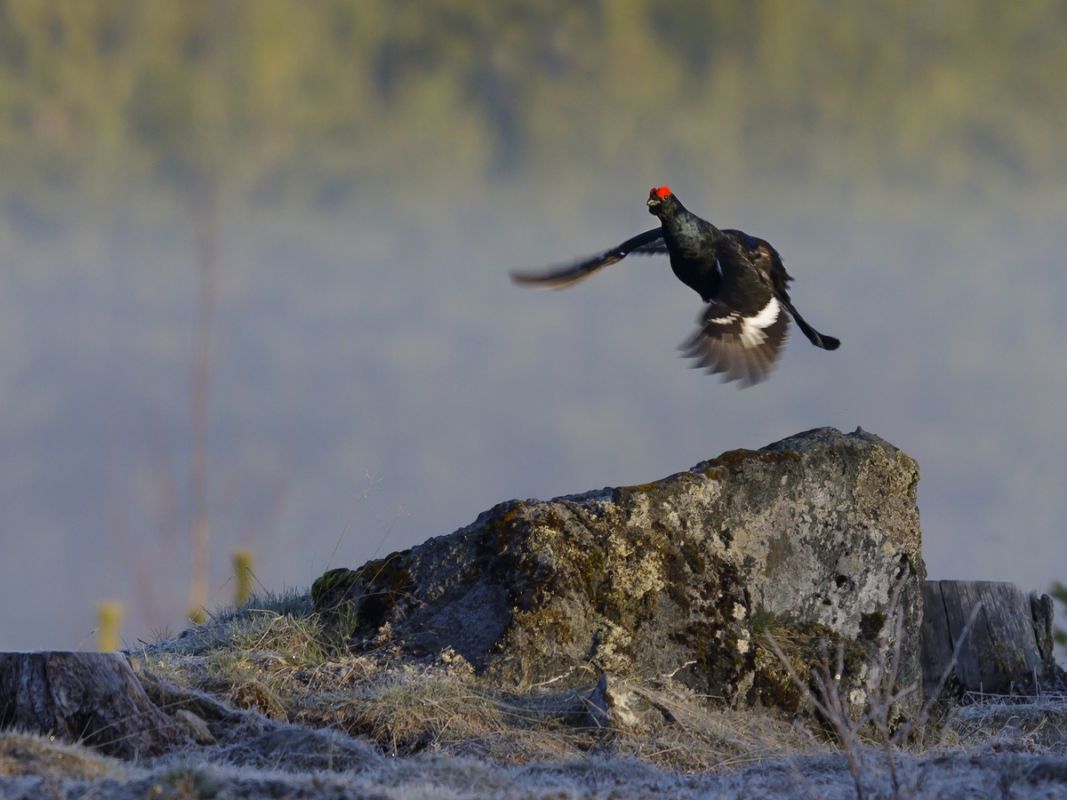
(804, 540)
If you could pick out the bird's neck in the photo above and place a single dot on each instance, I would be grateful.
(682, 224)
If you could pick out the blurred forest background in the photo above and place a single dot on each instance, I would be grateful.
(254, 294)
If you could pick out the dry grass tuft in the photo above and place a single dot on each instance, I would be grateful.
(1023, 724)
(26, 754)
(286, 662)
(459, 735)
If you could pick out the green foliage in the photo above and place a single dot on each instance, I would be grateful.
(287, 103)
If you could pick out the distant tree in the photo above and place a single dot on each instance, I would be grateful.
(311, 104)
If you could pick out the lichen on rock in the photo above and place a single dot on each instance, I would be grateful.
(686, 575)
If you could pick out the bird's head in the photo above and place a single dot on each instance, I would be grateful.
(660, 200)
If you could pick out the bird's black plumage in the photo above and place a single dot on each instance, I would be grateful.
(740, 277)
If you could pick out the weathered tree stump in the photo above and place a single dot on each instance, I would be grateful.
(1009, 647)
(90, 698)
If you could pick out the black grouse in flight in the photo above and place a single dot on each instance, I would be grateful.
(740, 277)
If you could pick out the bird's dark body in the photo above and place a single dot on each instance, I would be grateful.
(693, 244)
(740, 277)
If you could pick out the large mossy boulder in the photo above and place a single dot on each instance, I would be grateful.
(803, 540)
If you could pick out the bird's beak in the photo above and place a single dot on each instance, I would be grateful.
(653, 201)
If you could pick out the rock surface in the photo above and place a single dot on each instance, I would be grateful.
(804, 540)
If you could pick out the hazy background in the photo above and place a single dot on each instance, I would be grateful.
(282, 230)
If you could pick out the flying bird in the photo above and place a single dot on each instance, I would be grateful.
(741, 278)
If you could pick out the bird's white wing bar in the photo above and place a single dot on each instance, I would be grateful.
(737, 347)
(733, 315)
(752, 328)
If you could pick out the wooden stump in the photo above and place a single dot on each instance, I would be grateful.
(89, 698)
(1009, 647)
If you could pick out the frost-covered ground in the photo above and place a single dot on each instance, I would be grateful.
(994, 772)
(280, 710)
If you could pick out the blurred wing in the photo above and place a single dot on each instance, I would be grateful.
(647, 243)
(740, 348)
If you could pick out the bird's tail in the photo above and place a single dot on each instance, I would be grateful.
(818, 339)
